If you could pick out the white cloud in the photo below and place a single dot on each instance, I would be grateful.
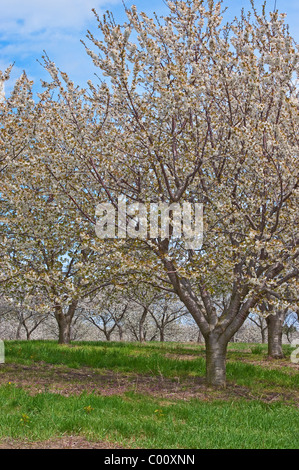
(31, 16)
(28, 27)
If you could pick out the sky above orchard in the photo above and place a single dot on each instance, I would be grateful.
(28, 27)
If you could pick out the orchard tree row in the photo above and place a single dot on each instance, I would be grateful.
(185, 108)
(113, 315)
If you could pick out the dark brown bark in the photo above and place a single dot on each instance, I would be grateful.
(275, 325)
(64, 321)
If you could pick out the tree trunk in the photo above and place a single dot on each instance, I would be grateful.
(65, 321)
(141, 325)
(263, 332)
(161, 333)
(275, 324)
(64, 328)
(120, 332)
(215, 362)
(107, 335)
(18, 333)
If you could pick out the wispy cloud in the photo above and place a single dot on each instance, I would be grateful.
(28, 27)
(27, 17)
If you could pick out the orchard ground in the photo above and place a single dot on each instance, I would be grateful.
(152, 395)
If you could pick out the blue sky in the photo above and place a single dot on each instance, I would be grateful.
(27, 27)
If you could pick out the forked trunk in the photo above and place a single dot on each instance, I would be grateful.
(64, 322)
(107, 335)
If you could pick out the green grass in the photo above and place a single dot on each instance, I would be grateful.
(137, 421)
(150, 358)
(123, 357)
(134, 420)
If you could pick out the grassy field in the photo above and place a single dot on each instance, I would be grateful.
(127, 395)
